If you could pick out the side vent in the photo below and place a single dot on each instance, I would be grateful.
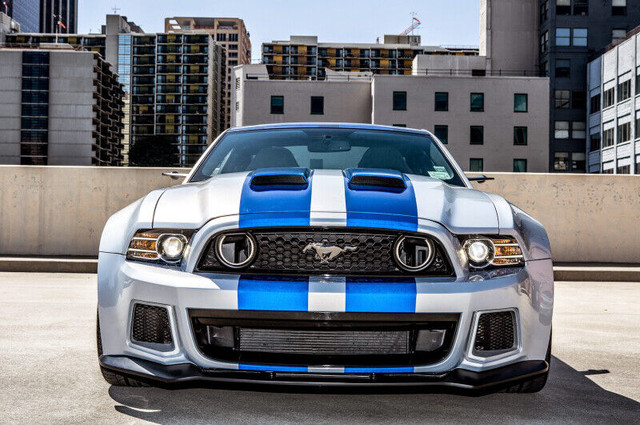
(382, 180)
(280, 178)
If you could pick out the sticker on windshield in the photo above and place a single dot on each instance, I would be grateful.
(439, 172)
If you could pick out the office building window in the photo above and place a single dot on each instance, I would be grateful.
(638, 128)
(594, 141)
(562, 99)
(607, 171)
(520, 135)
(519, 165)
(544, 11)
(624, 169)
(477, 102)
(619, 7)
(618, 34)
(476, 135)
(561, 161)
(221, 37)
(609, 97)
(520, 102)
(624, 90)
(317, 105)
(563, 36)
(561, 130)
(545, 68)
(595, 103)
(476, 164)
(442, 101)
(579, 99)
(563, 68)
(563, 7)
(579, 161)
(277, 104)
(579, 130)
(608, 138)
(581, 7)
(544, 42)
(399, 100)
(624, 132)
(442, 133)
(233, 37)
(580, 37)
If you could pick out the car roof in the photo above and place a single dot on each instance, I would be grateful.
(327, 125)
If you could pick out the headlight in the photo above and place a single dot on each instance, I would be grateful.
(484, 251)
(153, 245)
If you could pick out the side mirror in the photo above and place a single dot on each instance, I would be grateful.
(175, 175)
(480, 179)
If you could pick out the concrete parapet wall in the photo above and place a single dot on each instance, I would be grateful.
(60, 211)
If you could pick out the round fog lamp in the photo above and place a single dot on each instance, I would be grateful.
(172, 247)
(479, 252)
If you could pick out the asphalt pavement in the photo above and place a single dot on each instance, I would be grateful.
(49, 371)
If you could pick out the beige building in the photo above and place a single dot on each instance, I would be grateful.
(490, 123)
(231, 34)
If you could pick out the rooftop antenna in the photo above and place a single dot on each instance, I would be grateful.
(115, 9)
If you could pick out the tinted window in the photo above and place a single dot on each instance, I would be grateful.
(520, 102)
(277, 104)
(442, 133)
(476, 136)
(317, 105)
(328, 148)
(399, 100)
(442, 101)
(477, 102)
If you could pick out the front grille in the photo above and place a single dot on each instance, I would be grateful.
(496, 332)
(150, 325)
(331, 339)
(323, 342)
(283, 251)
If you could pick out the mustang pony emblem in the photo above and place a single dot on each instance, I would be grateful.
(326, 253)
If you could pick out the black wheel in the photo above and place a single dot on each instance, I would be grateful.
(536, 384)
(115, 378)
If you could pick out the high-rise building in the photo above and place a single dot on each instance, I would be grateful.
(572, 32)
(25, 12)
(59, 106)
(59, 16)
(614, 111)
(303, 57)
(231, 34)
(176, 91)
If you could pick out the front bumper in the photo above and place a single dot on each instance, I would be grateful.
(528, 292)
(459, 379)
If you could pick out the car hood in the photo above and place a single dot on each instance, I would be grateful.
(329, 197)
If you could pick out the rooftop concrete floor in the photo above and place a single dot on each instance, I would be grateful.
(49, 371)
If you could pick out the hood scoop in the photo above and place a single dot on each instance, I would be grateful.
(374, 179)
(279, 179)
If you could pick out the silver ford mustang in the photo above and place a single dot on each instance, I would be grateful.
(326, 254)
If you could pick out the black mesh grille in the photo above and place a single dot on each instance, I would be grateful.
(288, 251)
(151, 324)
(496, 331)
(323, 342)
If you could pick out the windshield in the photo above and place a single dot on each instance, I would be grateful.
(327, 148)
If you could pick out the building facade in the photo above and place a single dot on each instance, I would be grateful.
(303, 57)
(231, 34)
(489, 123)
(25, 12)
(59, 106)
(58, 16)
(571, 34)
(614, 109)
(176, 91)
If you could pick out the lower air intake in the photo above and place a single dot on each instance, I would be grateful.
(151, 324)
(496, 333)
(324, 342)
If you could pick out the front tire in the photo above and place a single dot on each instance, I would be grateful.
(536, 384)
(114, 378)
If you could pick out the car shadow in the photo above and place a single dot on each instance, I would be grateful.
(569, 397)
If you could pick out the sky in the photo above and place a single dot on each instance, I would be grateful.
(444, 22)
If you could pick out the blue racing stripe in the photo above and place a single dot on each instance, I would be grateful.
(274, 206)
(273, 293)
(408, 369)
(273, 368)
(383, 209)
(381, 295)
